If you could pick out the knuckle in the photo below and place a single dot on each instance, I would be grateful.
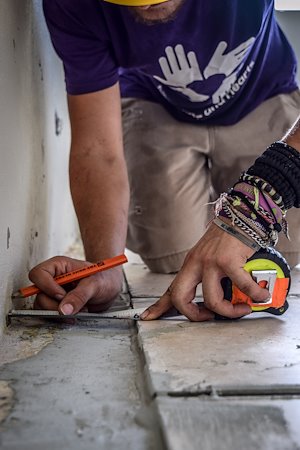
(222, 260)
(33, 273)
(191, 258)
(246, 287)
(209, 261)
(211, 304)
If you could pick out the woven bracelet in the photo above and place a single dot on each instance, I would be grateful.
(279, 167)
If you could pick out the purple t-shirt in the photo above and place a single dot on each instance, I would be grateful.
(213, 63)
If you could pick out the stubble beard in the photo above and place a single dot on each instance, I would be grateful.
(161, 13)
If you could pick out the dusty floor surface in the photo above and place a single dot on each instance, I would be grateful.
(83, 389)
(172, 385)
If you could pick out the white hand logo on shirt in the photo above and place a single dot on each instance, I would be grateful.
(224, 87)
(181, 69)
(226, 64)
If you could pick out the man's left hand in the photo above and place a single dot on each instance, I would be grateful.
(215, 256)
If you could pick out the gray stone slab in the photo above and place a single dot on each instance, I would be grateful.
(143, 283)
(194, 423)
(82, 391)
(259, 353)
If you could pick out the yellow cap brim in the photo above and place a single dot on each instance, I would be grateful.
(135, 2)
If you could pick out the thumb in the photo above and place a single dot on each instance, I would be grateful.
(76, 299)
(244, 281)
(162, 80)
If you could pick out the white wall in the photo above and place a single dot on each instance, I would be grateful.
(36, 219)
(290, 24)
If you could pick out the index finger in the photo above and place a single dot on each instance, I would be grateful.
(44, 280)
(184, 292)
(43, 274)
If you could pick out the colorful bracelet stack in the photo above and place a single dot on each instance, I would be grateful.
(253, 212)
(258, 202)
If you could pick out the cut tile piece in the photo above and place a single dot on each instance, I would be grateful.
(255, 353)
(143, 302)
(194, 423)
(143, 283)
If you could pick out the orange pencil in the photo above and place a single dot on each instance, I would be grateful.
(75, 275)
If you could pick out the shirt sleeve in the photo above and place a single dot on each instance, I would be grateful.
(80, 38)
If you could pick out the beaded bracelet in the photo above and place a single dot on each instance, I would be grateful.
(263, 186)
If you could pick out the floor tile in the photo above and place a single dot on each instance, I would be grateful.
(143, 283)
(257, 353)
(81, 392)
(244, 424)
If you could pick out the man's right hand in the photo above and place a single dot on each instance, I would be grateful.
(95, 293)
(100, 192)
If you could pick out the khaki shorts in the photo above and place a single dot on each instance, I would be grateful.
(176, 168)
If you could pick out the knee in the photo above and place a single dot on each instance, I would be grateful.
(293, 258)
(166, 264)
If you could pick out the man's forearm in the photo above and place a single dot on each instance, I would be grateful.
(100, 194)
(98, 174)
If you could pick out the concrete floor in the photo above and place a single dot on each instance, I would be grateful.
(84, 390)
(162, 385)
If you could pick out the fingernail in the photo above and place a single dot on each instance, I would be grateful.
(59, 296)
(67, 309)
(145, 314)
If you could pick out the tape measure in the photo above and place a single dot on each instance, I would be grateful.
(133, 314)
(271, 271)
(129, 314)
